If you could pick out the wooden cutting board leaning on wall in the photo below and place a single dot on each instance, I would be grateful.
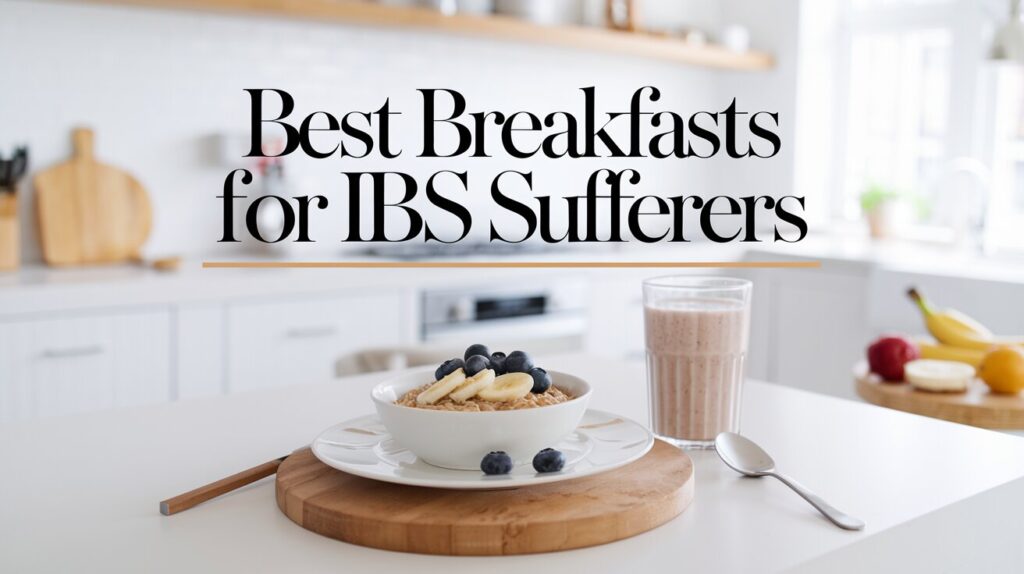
(90, 212)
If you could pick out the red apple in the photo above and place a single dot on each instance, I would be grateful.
(887, 355)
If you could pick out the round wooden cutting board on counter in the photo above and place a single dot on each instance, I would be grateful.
(976, 406)
(543, 518)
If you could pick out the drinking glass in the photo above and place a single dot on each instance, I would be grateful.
(696, 331)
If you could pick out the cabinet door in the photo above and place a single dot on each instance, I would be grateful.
(616, 318)
(762, 344)
(200, 340)
(993, 303)
(820, 330)
(67, 365)
(274, 344)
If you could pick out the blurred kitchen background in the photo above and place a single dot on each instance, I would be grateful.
(902, 124)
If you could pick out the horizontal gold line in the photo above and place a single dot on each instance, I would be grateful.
(508, 264)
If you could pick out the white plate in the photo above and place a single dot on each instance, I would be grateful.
(363, 447)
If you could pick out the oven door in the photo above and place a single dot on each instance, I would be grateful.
(552, 318)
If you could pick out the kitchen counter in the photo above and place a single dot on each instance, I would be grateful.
(839, 252)
(36, 288)
(80, 493)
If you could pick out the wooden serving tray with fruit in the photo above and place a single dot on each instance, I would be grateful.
(977, 406)
(966, 375)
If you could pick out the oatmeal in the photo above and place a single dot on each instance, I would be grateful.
(552, 396)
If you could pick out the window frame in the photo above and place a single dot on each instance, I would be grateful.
(971, 98)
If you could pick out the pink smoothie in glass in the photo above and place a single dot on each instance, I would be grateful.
(695, 353)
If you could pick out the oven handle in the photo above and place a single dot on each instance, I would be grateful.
(530, 326)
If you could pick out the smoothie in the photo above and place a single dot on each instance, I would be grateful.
(695, 353)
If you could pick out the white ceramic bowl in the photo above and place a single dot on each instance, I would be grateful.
(459, 440)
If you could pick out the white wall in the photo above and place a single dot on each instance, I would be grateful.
(773, 24)
(158, 84)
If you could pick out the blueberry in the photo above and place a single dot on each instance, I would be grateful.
(498, 362)
(518, 362)
(541, 380)
(476, 349)
(497, 462)
(448, 367)
(476, 363)
(548, 460)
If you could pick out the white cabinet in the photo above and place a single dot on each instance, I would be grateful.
(616, 318)
(65, 365)
(201, 343)
(821, 325)
(994, 303)
(54, 365)
(283, 343)
(809, 327)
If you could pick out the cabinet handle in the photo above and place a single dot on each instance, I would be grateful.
(311, 332)
(69, 352)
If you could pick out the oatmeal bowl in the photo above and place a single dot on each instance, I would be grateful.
(453, 419)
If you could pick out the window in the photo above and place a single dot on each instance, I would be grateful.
(1006, 215)
(897, 111)
(926, 115)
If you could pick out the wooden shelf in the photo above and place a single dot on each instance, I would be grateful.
(491, 27)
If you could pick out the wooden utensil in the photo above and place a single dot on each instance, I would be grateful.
(90, 212)
(11, 172)
(9, 243)
(547, 517)
(223, 486)
(169, 263)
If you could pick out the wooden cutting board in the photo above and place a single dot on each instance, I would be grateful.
(977, 406)
(543, 518)
(90, 212)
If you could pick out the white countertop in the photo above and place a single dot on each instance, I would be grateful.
(80, 493)
(36, 288)
(858, 254)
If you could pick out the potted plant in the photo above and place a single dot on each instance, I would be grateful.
(877, 203)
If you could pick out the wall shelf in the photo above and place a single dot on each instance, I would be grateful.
(491, 27)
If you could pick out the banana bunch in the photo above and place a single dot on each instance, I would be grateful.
(932, 350)
(960, 337)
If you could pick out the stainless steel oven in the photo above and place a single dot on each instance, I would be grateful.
(549, 315)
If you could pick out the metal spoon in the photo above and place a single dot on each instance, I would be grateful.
(745, 457)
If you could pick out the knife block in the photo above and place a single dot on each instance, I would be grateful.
(9, 242)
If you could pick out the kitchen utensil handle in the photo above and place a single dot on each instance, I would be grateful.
(81, 142)
(17, 166)
(837, 517)
(222, 486)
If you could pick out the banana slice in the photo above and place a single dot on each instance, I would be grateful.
(507, 387)
(473, 385)
(440, 389)
(939, 376)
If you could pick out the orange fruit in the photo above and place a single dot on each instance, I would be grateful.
(1002, 369)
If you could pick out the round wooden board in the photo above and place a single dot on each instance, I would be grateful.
(976, 407)
(543, 518)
